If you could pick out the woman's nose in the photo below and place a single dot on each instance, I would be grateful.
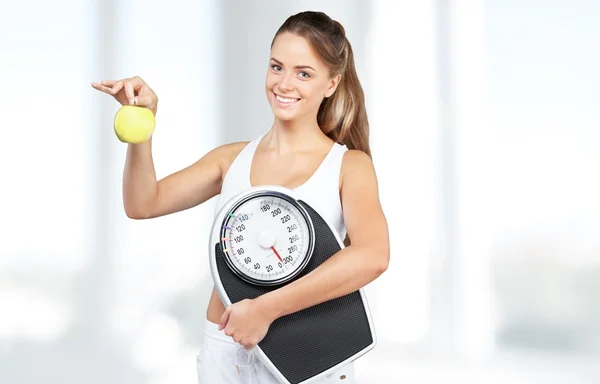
(286, 84)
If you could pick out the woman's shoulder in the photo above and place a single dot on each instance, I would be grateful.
(356, 158)
(226, 153)
(232, 147)
(356, 164)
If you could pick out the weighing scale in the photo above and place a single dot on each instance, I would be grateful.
(265, 238)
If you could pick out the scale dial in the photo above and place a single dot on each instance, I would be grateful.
(267, 237)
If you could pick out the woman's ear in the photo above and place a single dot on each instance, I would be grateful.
(333, 83)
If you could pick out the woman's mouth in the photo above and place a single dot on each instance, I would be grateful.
(285, 100)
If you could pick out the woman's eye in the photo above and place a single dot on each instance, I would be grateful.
(304, 74)
(276, 67)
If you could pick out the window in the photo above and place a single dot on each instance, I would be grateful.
(545, 212)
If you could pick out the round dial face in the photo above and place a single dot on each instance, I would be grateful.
(267, 238)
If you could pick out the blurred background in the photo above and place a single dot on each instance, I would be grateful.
(484, 118)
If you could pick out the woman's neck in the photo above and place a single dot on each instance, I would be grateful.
(290, 136)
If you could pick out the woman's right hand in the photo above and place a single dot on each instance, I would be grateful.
(130, 91)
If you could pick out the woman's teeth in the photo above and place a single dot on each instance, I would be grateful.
(284, 100)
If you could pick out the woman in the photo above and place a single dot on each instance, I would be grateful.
(318, 146)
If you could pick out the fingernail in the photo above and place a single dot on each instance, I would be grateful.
(131, 101)
(136, 101)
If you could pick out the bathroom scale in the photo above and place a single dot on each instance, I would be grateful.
(267, 237)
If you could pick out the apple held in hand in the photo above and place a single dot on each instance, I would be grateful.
(134, 125)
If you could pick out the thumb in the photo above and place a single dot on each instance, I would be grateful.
(143, 101)
(225, 318)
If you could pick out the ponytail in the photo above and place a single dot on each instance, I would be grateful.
(343, 116)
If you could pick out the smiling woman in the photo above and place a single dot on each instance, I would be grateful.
(318, 146)
(295, 88)
(318, 57)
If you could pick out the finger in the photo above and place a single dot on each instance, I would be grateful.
(225, 318)
(143, 101)
(129, 92)
(98, 86)
(105, 83)
(248, 346)
(116, 87)
(137, 83)
(102, 88)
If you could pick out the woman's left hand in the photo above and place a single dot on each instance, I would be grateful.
(247, 322)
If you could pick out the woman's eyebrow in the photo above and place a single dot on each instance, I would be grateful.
(296, 67)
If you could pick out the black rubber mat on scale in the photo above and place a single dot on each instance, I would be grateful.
(306, 343)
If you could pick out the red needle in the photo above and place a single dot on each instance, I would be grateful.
(276, 253)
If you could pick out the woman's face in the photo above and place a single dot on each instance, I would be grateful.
(297, 80)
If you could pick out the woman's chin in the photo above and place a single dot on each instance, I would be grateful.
(283, 115)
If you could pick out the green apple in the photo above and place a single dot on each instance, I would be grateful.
(134, 124)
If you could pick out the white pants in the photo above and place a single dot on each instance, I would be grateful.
(223, 361)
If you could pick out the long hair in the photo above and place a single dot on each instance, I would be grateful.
(343, 116)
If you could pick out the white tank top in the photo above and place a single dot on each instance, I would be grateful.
(321, 191)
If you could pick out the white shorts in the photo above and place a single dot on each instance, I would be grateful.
(223, 361)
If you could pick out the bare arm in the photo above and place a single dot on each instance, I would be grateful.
(144, 197)
(354, 266)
